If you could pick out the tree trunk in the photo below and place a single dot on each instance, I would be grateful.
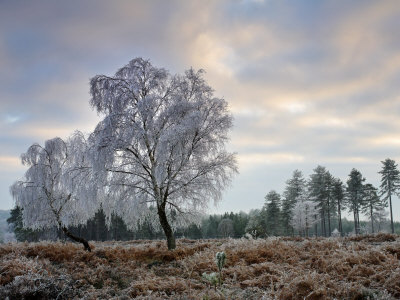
(316, 226)
(306, 231)
(355, 213)
(372, 218)
(391, 212)
(322, 223)
(329, 218)
(355, 221)
(76, 238)
(167, 228)
(340, 219)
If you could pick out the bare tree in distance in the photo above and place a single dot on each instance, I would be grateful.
(225, 228)
(371, 203)
(53, 188)
(303, 216)
(161, 143)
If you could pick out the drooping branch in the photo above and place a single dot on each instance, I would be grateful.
(57, 188)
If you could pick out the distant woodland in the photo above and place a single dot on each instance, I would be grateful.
(234, 225)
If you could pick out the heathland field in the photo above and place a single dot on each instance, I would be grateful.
(363, 267)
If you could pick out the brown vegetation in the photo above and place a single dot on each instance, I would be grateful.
(365, 267)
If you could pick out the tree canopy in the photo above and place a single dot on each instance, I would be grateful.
(161, 143)
(53, 190)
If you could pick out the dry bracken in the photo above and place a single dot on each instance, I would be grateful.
(277, 268)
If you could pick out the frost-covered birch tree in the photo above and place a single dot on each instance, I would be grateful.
(295, 188)
(303, 216)
(225, 228)
(161, 143)
(54, 188)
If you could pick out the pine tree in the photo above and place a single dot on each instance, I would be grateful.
(390, 184)
(118, 229)
(337, 198)
(193, 232)
(16, 223)
(101, 228)
(210, 227)
(354, 196)
(272, 213)
(319, 193)
(295, 187)
(256, 224)
(330, 208)
(371, 202)
(239, 223)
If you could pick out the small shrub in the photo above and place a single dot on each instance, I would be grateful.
(220, 258)
(211, 278)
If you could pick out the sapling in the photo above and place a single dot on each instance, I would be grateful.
(220, 258)
(212, 278)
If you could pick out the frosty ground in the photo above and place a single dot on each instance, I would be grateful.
(362, 267)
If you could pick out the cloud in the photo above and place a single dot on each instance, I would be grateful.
(295, 107)
(42, 133)
(10, 162)
(10, 119)
(250, 160)
(308, 83)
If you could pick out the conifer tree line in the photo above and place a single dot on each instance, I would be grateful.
(306, 207)
(315, 206)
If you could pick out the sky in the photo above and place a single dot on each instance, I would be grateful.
(308, 82)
